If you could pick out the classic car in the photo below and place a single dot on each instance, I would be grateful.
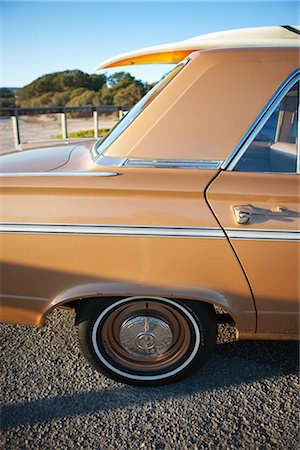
(186, 213)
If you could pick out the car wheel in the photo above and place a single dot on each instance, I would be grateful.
(146, 340)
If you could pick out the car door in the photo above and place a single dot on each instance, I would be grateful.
(256, 199)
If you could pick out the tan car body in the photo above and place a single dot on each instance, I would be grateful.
(107, 228)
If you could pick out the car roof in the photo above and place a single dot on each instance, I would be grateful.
(172, 53)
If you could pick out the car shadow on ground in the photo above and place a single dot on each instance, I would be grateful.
(233, 364)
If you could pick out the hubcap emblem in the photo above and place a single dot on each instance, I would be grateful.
(146, 337)
(145, 341)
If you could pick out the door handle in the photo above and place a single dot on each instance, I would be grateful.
(243, 213)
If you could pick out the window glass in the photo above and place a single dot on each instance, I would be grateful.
(274, 148)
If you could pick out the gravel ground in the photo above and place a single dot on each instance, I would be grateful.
(245, 397)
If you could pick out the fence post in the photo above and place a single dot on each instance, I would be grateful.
(64, 128)
(16, 128)
(95, 114)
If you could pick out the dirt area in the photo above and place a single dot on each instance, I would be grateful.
(44, 127)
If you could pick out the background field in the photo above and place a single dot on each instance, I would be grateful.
(43, 127)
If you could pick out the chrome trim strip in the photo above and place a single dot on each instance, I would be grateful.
(173, 163)
(58, 174)
(110, 161)
(265, 235)
(158, 163)
(148, 231)
(260, 121)
(94, 152)
(112, 230)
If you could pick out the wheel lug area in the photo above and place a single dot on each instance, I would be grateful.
(145, 337)
(145, 341)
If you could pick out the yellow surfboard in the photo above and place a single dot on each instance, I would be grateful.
(173, 53)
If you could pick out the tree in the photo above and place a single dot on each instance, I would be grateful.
(77, 88)
(7, 98)
(106, 96)
(121, 79)
(84, 99)
(96, 82)
(127, 96)
(62, 82)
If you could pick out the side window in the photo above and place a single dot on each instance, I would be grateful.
(274, 148)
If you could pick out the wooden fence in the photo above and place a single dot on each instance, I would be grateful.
(15, 113)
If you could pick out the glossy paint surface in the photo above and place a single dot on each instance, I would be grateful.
(272, 266)
(72, 228)
(38, 159)
(52, 269)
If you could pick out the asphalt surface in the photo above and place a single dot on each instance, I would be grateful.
(247, 396)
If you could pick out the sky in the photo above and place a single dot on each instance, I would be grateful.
(40, 37)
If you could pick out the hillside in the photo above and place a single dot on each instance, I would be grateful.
(76, 88)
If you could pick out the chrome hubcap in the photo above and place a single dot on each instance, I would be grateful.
(146, 336)
(145, 341)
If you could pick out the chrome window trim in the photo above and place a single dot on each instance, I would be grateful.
(158, 163)
(173, 163)
(260, 121)
(112, 230)
(110, 161)
(57, 174)
(94, 152)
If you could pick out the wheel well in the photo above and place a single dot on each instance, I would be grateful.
(222, 315)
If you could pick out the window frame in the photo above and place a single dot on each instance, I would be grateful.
(230, 163)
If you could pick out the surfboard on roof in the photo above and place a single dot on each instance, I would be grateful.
(278, 36)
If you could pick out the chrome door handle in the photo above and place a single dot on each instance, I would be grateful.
(243, 213)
